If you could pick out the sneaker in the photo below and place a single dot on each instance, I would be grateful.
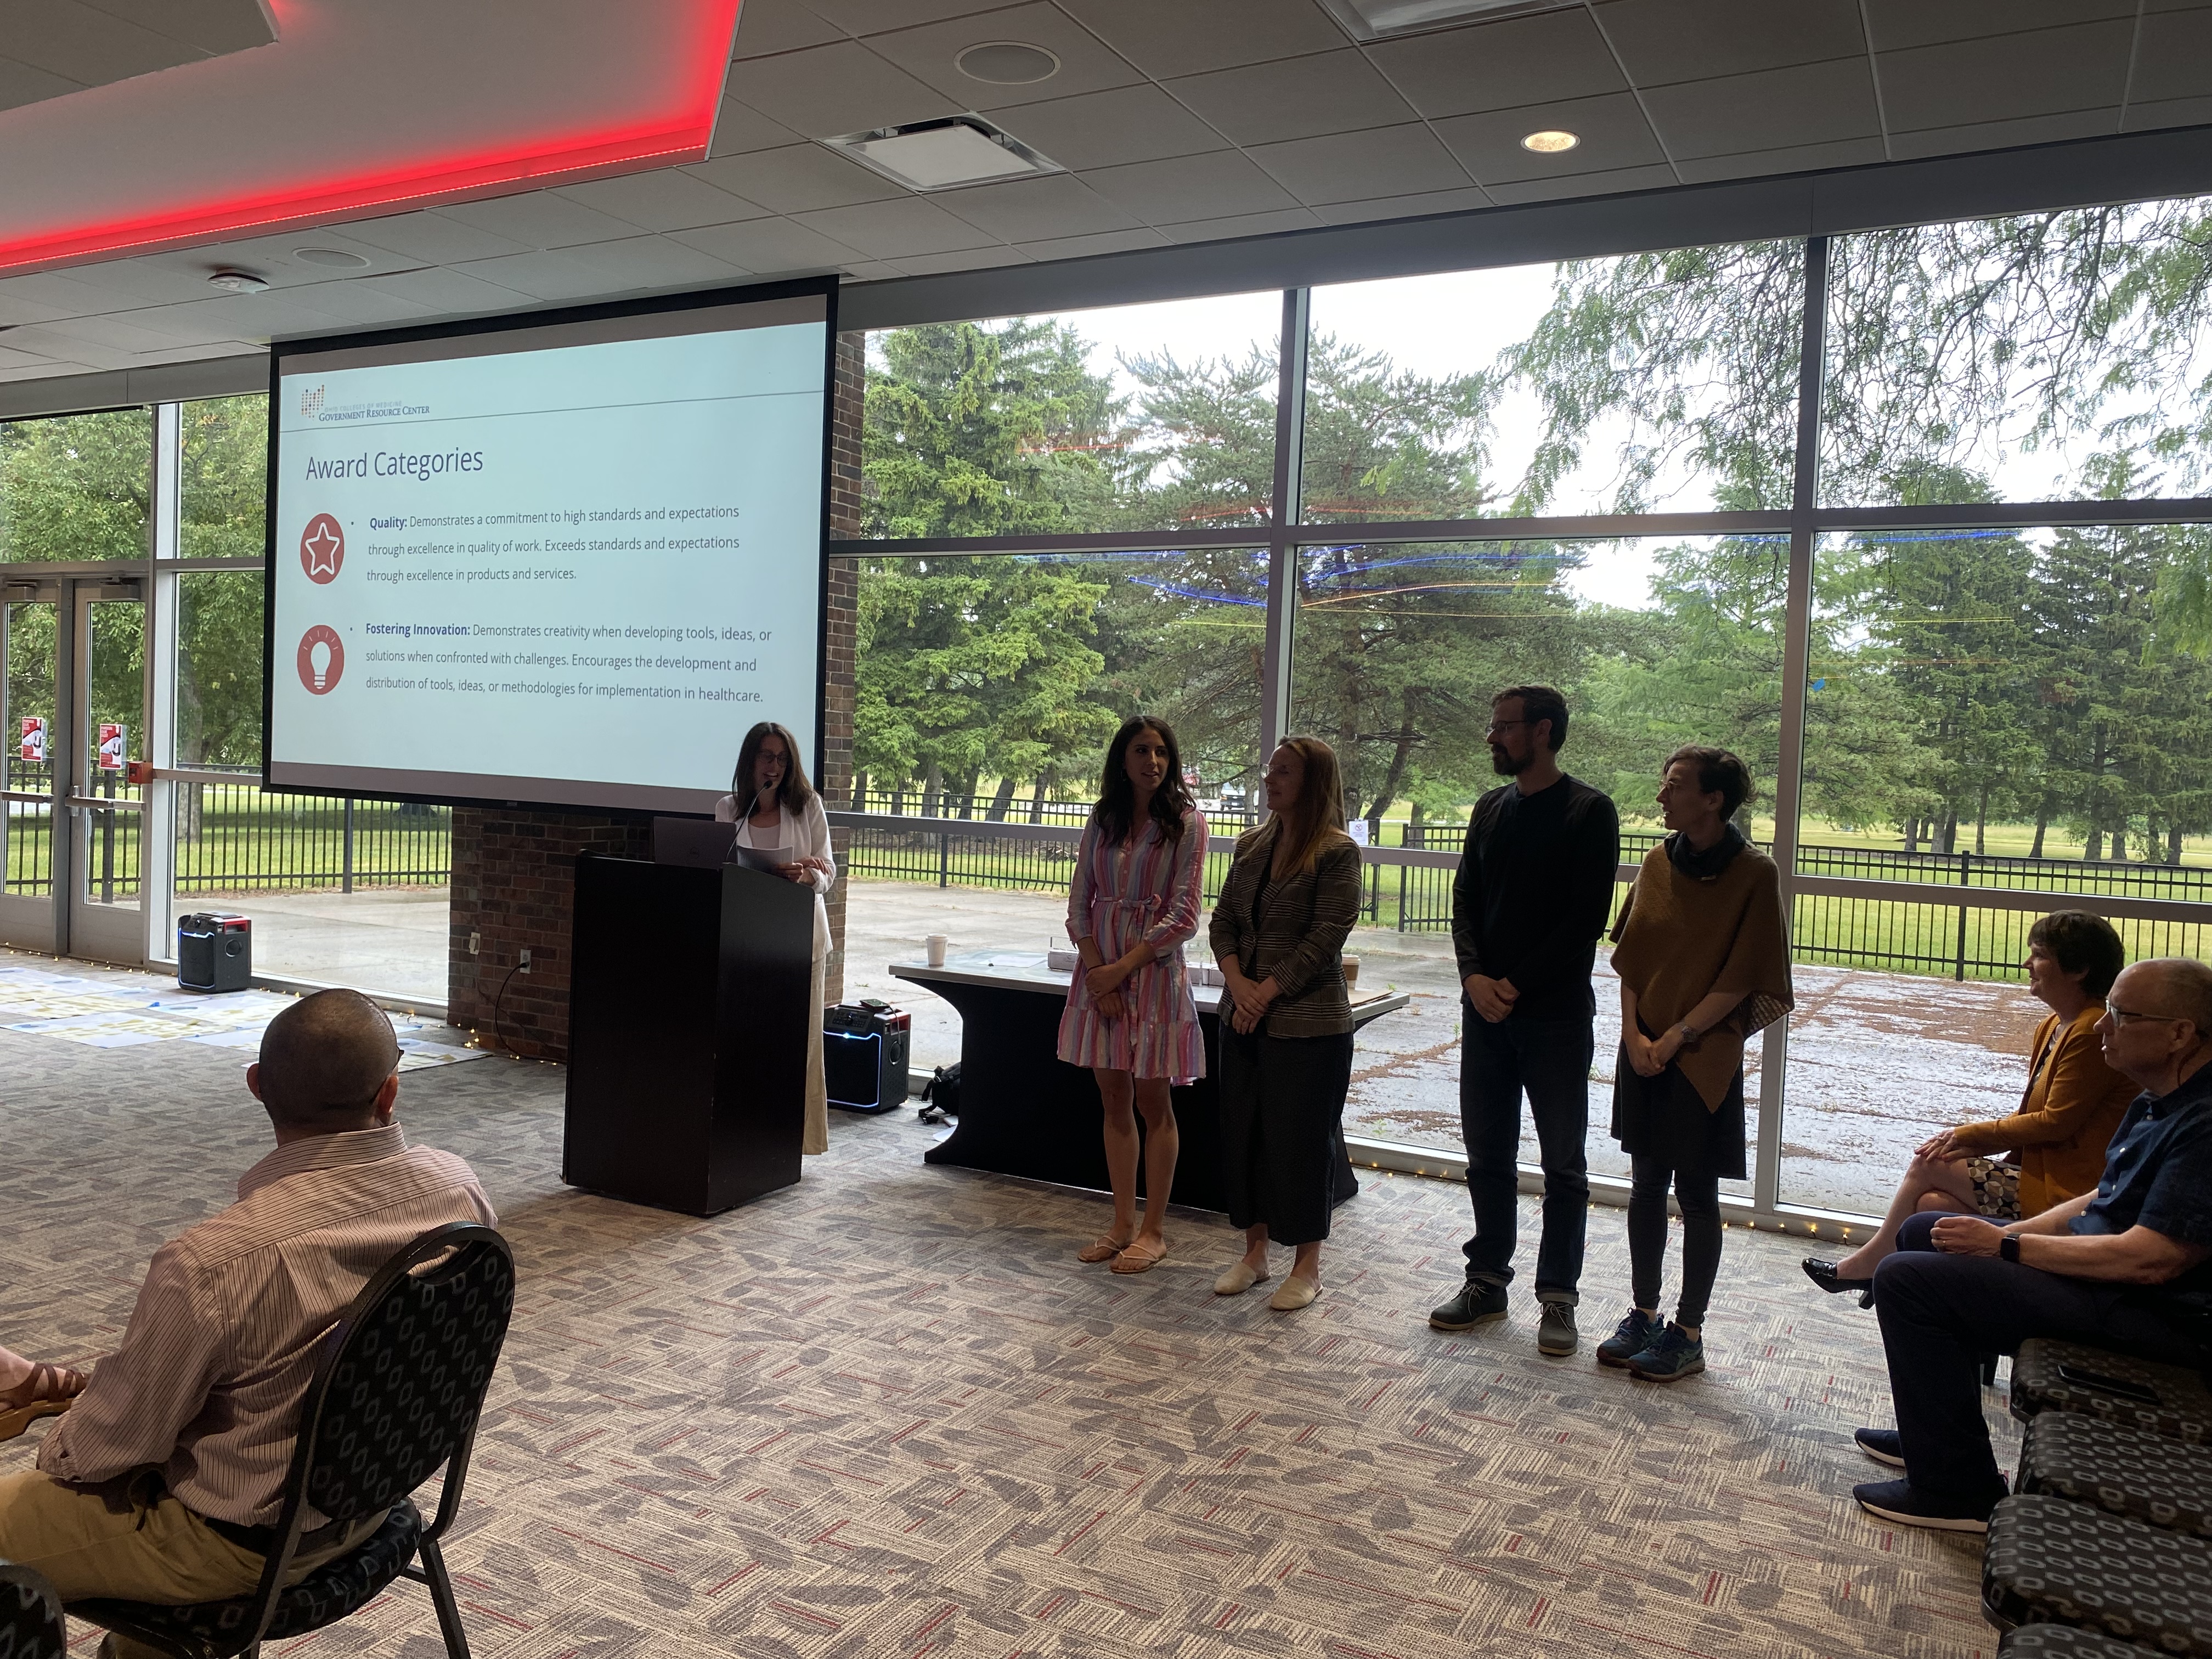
(1899, 1501)
(1479, 1303)
(1555, 1332)
(1674, 1356)
(1883, 1445)
(1630, 1338)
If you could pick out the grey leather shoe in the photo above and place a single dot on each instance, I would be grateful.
(1556, 1335)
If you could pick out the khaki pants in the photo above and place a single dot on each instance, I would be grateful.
(129, 1540)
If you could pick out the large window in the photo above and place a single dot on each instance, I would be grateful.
(77, 487)
(1997, 717)
(1138, 418)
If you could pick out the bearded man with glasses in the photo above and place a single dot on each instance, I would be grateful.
(2123, 1267)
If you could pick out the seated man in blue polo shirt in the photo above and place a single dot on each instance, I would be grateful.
(2122, 1268)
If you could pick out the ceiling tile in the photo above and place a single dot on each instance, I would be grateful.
(2006, 76)
(1613, 131)
(1662, 40)
(1402, 207)
(1242, 224)
(1569, 187)
(889, 230)
(1808, 104)
(11, 359)
(2002, 134)
(116, 333)
(666, 200)
(740, 128)
(542, 276)
(928, 54)
(772, 26)
(2173, 57)
(358, 304)
(643, 262)
(64, 293)
(1344, 166)
(21, 84)
(974, 259)
(17, 309)
(825, 91)
(874, 17)
(213, 25)
(1517, 60)
(87, 45)
(1106, 129)
(1293, 97)
(432, 238)
(158, 280)
(1190, 187)
(797, 179)
(539, 219)
(762, 245)
(1084, 248)
(865, 271)
(1036, 210)
(1892, 25)
(2167, 113)
(62, 348)
(1800, 158)
(450, 293)
(1165, 37)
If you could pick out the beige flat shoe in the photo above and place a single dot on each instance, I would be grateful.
(1238, 1279)
(1294, 1294)
(1102, 1249)
(1140, 1258)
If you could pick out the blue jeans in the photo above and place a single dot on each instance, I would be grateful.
(1941, 1313)
(1549, 1060)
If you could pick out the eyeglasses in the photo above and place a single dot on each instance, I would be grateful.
(2122, 1016)
(1496, 726)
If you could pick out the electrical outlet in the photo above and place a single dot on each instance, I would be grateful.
(476, 943)
(523, 962)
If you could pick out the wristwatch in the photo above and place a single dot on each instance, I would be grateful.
(2009, 1247)
(1687, 1032)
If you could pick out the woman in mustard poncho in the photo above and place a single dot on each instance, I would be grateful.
(1703, 961)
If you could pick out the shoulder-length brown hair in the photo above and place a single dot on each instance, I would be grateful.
(1116, 810)
(795, 791)
(1315, 822)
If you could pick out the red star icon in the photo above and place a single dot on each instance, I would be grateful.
(322, 549)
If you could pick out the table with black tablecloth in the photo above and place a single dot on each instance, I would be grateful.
(1024, 1111)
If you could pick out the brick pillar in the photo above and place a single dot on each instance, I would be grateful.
(842, 618)
(514, 888)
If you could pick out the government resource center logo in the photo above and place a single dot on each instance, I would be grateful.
(311, 399)
(322, 548)
(322, 659)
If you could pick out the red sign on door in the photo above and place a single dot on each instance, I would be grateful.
(114, 747)
(33, 741)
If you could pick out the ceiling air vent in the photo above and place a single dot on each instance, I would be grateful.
(945, 154)
(1376, 20)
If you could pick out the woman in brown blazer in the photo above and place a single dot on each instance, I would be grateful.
(2055, 1143)
(1286, 906)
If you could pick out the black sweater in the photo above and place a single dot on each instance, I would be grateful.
(1534, 885)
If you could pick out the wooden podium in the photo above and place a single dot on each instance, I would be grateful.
(688, 1004)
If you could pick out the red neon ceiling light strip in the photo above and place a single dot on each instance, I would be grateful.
(451, 178)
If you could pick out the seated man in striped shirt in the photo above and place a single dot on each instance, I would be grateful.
(162, 1481)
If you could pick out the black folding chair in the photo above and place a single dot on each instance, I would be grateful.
(30, 1616)
(396, 1393)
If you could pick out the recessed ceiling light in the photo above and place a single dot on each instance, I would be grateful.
(239, 282)
(1551, 141)
(336, 257)
(1008, 64)
(943, 154)
(1372, 20)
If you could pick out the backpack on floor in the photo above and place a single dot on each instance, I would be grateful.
(942, 1091)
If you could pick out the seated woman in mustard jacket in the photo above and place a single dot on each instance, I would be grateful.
(2055, 1140)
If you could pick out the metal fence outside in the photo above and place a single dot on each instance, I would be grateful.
(1409, 890)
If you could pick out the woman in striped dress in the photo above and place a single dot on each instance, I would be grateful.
(1138, 885)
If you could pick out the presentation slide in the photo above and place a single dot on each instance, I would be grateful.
(567, 565)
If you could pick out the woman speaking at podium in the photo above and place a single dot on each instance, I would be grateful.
(777, 812)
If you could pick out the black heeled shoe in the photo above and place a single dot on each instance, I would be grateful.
(1824, 1274)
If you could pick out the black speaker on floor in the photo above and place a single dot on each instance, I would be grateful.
(215, 952)
(864, 1055)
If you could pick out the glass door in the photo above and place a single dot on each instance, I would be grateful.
(30, 677)
(107, 797)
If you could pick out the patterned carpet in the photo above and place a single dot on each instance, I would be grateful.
(885, 1413)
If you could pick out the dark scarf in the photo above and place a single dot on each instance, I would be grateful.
(1704, 867)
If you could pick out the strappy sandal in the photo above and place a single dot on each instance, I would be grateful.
(1136, 1259)
(1103, 1249)
(47, 1392)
